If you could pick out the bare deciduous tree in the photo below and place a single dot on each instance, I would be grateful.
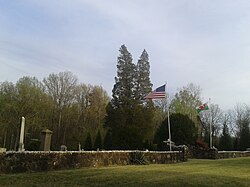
(61, 87)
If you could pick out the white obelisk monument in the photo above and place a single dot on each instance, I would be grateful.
(21, 144)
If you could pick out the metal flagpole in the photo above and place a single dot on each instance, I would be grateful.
(169, 133)
(210, 125)
(169, 130)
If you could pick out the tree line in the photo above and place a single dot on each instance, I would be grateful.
(84, 114)
(70, 109)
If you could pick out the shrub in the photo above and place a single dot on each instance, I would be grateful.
(202, 145)
(138, 158)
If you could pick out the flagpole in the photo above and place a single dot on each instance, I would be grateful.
(169, 131)
(210, 125)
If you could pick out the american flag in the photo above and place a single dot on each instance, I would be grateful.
(158, 93)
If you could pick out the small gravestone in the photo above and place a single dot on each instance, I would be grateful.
(79, 147)
(63, 148)
(45, 140)
(2, 150)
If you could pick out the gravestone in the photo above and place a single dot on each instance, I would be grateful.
(63, 148)
(2, 150)
(46, 140)
(21, 138)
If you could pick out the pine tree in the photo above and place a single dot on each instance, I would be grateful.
(146, 111)
(183, 131)
(127, 120)
(107, 143)
(236, 144)
(226, 142)
(98, 141)
(88, 143)
(124, 88)
(244, 141)
(143, 83)
(120, 111)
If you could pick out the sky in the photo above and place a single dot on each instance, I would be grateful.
(206, 42)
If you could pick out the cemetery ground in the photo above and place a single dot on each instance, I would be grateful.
(224, 172)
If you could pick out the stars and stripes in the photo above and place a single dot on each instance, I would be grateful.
(158, 93)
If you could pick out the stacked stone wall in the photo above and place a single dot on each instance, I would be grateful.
(233, 154)
(14, 162)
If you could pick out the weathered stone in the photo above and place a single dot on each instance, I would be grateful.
(14, 162)
(2, 150)
(45, 140)
(21, 138)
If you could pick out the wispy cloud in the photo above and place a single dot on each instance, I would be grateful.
(204, 42)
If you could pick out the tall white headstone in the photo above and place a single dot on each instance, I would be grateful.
(21, 144)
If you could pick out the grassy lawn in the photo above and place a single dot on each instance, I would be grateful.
(227, 172)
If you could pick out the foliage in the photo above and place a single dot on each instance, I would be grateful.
(226, 141)
(143, 83)
(107, 143)
(98, 141)
(72, 109)
(183, 131)
(61, 88)
(124, 89)
(201, 144)
(58, 103)
(236, 144)
(129, 119)
(215, 118)
(241, 128)
(185, 102)
(25, 98)
(34, 145)
(88, 146)
(138, 158)
(244, 141)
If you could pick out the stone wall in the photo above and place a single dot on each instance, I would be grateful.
(233, 154)
(215, 154)
(203, 154)
(14, 162)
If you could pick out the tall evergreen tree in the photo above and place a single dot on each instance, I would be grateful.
(127, 119)
(183, 131)
(124, 88)
(143, 83)
(88, 143)
(98, 141)
(226, 142)
(120, 110)
(244, 141)
(143, 87)
(107, 142)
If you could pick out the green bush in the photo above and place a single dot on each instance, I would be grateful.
(34, 145)
(138, 158)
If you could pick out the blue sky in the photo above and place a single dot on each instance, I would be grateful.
(189, 41)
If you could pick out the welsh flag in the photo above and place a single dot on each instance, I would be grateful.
(202, 107)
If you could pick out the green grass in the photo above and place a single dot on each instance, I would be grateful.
(227, 172)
